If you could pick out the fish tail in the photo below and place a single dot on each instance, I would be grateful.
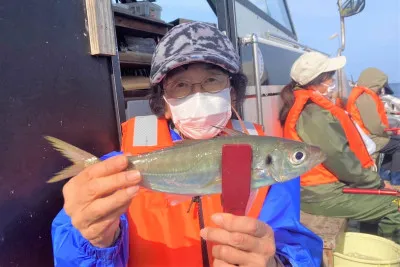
(79, 157)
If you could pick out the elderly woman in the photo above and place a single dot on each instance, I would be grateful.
(108, 221)
(308, 116)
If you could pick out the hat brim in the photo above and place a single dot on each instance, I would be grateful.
(194, 57)
(388, 90)
(335, 63)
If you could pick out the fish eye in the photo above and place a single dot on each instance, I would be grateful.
(268, 160)
(298, 157)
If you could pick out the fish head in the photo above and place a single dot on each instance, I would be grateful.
(287, 160)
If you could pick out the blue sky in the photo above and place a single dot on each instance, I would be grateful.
(373, 36)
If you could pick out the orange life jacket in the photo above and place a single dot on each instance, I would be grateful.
(319, 174)
(161, 234)
(355, 113)
(339, 102)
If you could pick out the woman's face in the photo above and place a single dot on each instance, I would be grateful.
(194, 78)
(323, 87)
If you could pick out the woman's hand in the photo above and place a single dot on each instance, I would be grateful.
(97, 197)
(241, 241)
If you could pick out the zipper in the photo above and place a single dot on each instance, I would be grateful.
(204, 252)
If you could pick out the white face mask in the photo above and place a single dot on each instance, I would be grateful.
(331, 88)
(329, 92)
(196, 114)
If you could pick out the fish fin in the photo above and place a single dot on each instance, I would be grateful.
(250, 201)
(230, 132)
(66, 173)
(79, 157)
(175, 199)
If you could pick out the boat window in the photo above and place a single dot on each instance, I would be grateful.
(276, 9)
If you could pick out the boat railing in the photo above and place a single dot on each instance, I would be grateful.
(270, 39)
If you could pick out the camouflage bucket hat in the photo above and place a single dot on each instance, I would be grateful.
(193, 42)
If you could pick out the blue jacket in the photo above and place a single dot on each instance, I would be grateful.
(295, 244)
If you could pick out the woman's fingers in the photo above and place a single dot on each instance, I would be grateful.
(238, 240)
(220, 263)
(103, 207)
(242, 224)
(96, 198)
(107, 167)
(104, 186)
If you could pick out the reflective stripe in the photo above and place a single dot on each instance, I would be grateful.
(249, 126)
(145, 131)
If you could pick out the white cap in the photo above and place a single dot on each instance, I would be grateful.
(311, 64)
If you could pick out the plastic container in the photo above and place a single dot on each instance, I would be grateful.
(363, 250)
(146, 9)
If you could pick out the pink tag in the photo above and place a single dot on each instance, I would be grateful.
(236, 178)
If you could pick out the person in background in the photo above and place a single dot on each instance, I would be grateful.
(108, 221)
(332, 94)
(367, 109)
(308, 116)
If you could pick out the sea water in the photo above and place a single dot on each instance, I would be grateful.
(396, 88)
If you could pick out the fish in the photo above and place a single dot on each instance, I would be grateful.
(193, 168)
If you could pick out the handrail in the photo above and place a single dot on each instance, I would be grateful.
(260, 116)
(340, 51)
(271, 37)
(254, 40)
(294, 43)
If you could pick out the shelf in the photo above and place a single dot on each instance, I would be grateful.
(136, 87)
(135, 58)
(141, 24)
(132, 83)
(142, 94)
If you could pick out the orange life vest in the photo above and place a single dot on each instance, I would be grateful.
(161, 234)
(339, 102)
(355, 113)
(319, 174)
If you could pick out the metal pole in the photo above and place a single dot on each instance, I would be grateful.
(340, 50)
(260, 119)
(342, 31)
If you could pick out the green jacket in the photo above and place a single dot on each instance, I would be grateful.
(375, 80)
(317, 126)
(372, 121)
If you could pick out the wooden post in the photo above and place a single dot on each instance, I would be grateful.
(236, 178)
(101, 27)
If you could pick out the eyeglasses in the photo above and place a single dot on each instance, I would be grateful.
(183, 88)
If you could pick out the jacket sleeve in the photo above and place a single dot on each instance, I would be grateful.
(70, 248)
(295, 244)
(370, 116)
(318, 127)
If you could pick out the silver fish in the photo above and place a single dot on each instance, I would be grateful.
(194, 168)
